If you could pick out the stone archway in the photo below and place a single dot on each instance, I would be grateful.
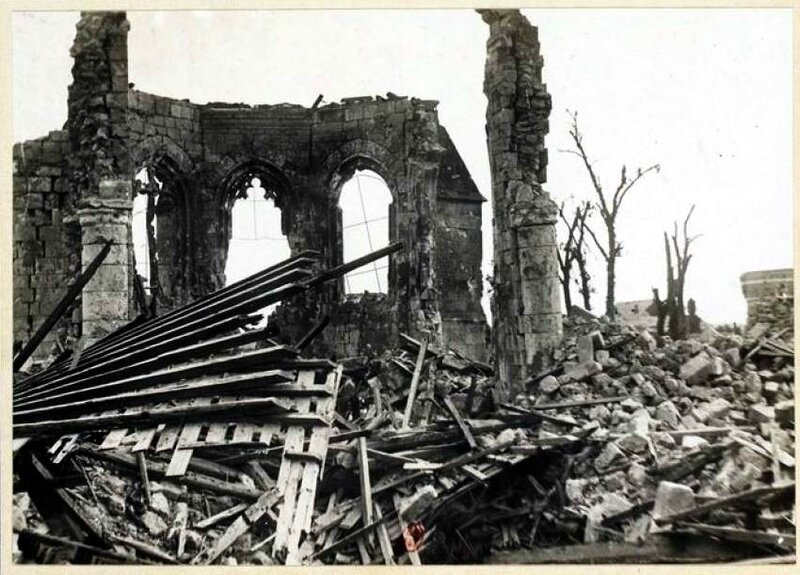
(234, 186)
(169, 218)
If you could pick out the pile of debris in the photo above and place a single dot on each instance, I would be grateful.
(191, 439)
(623, 452)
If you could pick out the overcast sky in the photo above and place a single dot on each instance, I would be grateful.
(705, 93)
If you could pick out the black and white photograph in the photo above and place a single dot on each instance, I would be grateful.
(398, 286)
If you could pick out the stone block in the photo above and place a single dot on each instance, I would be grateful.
(585, 348)
(108, 306)
(718, 408)
(784, 412)
(760, 413)
(697, 369)
(672, 498)
(647, 341)
(666, 412)
(582, 371)
(693, 442)
(549, 385)
(609, 455)
(633, 442)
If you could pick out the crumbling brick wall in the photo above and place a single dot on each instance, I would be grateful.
(46, 245)
(99, 165)
(526, 303)
(203, 154)
(770, 298)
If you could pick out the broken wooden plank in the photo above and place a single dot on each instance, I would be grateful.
(722, 502)
(259, 475)
(290, 473)
(364, 481)
(146, 437)
(383, 538)
(785, 540)
(113, 438)
(52, 540)
(413, 554)
(66, 300)
(221, 516)
(146, 549)
(412, 390)
(140, 460)
(158, 469)
(241, 408)
(239, 527)
(448, 403)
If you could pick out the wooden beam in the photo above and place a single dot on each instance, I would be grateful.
(143, 475)
(365, 482)
(158, 469)
(721, 502)
(785, 540)
(448, 403)
(239, 527)
(412, 390)
(221, 516)
(72, 292)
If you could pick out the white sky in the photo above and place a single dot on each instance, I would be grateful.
(705, 93)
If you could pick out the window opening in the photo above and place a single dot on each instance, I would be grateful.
(365, 201)
(143, 226)
(256, 238)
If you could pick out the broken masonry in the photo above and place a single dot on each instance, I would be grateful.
(364, 430)
(73, 191)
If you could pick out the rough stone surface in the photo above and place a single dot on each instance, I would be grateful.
(154, 524)
(74, 189)
(610, 454)
(671, 498)
(668, 413)
(549, 385)
(526, 302)
(761, 413)
(697, 369)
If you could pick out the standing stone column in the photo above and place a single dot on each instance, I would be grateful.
(107, 300)
(101, 176)
(526, 302)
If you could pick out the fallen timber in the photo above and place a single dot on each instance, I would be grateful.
(420, 463)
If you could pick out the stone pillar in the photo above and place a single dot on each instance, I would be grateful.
(101, 175)
(526, 299)
(416, 296)
(423, 301)
(107, 300)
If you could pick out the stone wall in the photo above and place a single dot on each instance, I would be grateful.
(202, 155)
(526, 302)
(770, 298)
(99, 167)
(361, 326)
(46, 244)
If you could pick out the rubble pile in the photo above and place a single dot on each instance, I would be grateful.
(233, 449)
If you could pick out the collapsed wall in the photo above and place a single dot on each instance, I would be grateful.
(526, 302)
(74, 190)
(770, 298)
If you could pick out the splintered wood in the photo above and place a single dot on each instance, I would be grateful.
(302, 464)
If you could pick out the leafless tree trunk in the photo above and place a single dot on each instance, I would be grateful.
(609, 210)
(676, 277)
(580, 257)
(573, 251)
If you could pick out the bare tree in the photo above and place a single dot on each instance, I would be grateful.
(673, 308)
(609, 208)
(565, 257)
(573, 251)
(580, 258)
